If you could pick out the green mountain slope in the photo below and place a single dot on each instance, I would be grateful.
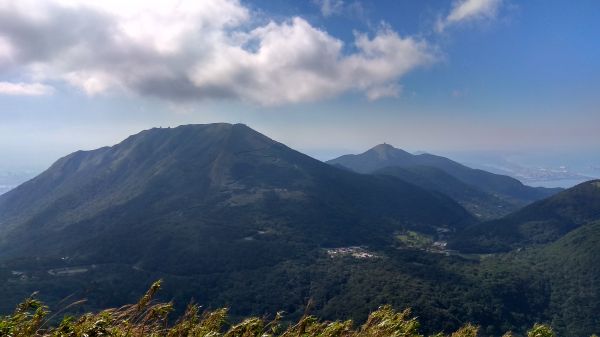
(482, 205)
(385, 155)
(207, 198)
(541, 222)
(567, 276)
(571, 265)
(231, 218)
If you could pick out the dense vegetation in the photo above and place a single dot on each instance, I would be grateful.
(499, 293)
(233, 219)
(148, 318)
(539, 223)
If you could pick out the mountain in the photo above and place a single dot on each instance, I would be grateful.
(541, 222)
(384, 155)
(204, 198)
(483, 205)
(230, 218)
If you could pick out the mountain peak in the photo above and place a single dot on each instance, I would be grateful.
(386, 151)
(200, 127)
(385, 155)
(383, 147)
(193, 137)
(197, 190)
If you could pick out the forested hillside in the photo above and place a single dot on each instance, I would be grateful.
(230, 218)
(149, 318)
(541, 222)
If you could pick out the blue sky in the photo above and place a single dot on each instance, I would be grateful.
(325, 77)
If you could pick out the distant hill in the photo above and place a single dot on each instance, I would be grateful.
(508, 189)
(206, 198)
(483, 205)
(541, 222)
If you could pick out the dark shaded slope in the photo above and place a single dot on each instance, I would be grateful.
(385, 155)
(562, 278)
(207, 198)
(541, 222)
(479, 203)
(571, 265)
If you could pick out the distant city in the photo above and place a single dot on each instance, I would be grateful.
(555, 171)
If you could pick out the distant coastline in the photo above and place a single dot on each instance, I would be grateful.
(564, 183)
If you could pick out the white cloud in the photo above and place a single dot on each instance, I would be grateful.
(467, 10)
(25, 89)
(330, 7)
(197, 49)
(296, 62)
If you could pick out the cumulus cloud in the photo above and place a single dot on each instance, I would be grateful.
(188, 50)
(25, 89)
(296, 62)
(468, 10)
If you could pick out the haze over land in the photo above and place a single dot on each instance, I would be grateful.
(447, 78)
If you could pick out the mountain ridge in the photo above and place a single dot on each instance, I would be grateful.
(221, 169)
(232, 218)
(481, 204)
(544, 221)
(385, 155)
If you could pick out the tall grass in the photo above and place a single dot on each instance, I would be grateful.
(149, 318)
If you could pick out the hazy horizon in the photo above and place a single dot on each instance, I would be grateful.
(574, 167)
(325, 77)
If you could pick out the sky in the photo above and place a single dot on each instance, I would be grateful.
(326, 77)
